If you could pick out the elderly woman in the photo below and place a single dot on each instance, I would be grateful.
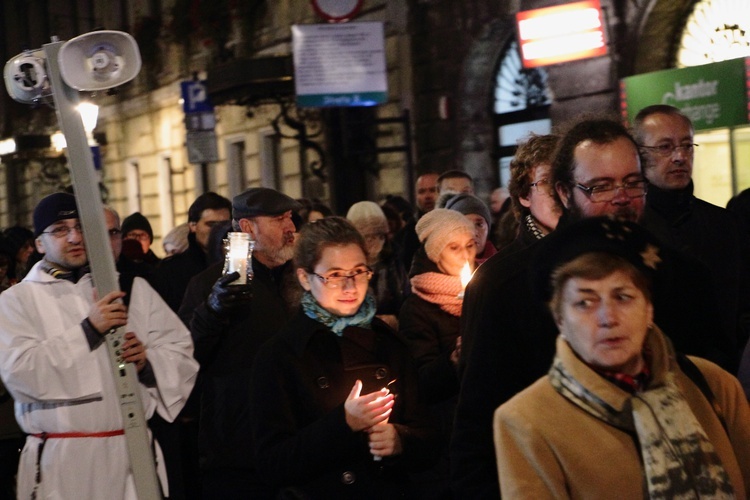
(389, 283)
(619, 412)
(429, 319)
(334, 394)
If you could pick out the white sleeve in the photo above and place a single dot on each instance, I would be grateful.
(169, 348)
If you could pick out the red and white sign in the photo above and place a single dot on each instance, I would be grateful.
(560, 34)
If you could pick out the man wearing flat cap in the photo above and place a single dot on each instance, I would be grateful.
(229, 324)
(55, 365)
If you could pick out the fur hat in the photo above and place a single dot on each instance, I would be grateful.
(53, 208)
(617, 237)
(137, 221)
(436, 228)
(469, 204)
(368, 218)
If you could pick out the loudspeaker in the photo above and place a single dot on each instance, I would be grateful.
(26, 77)
(99, 60)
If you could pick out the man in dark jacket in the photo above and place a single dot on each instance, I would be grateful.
(709, 233)
(229, 325)
(596, 171)
(171, 277)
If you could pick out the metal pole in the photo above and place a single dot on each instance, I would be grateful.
(101, 260)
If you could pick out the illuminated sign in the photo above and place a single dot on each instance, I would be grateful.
(559, 34)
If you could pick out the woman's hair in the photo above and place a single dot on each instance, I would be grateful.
(593, 266)
(317, 236)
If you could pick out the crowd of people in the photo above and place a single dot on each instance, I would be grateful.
(580, 334)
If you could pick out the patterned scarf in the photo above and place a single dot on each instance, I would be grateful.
(72, 276)
(678, 458)
(362, 318)
(532, 227)
(441, 289)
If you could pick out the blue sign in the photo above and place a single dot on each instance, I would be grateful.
(195, 97)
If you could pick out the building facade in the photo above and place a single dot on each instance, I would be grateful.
(457, 97)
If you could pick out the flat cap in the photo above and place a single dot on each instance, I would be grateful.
(616, 237)
(262, 201)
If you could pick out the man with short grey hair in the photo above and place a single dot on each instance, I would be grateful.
(229, 324)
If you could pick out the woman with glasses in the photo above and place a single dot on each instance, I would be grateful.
(620, 414)
(336, 412)
(429, 320)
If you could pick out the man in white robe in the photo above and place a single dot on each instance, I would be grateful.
(54, 363)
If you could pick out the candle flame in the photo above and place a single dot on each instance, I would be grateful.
(465, 274)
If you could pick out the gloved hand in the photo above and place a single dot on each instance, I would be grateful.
(225, 298)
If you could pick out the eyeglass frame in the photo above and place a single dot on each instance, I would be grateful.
(61, 232)
(333, 285)
(589, 190)
(661, 150)
(542, 182)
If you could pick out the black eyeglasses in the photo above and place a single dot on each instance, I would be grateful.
(63, 231)
(606, 191)
(666, 150)
(338, 279)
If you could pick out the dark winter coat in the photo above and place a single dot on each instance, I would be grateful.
(714, 236)
(431, 334)
(171, 277)
(226, 349)
(300, 381)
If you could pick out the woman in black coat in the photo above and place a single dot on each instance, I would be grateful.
(334, 395)
(429, 321)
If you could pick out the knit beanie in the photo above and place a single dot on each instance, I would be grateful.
(436, 229)
(469, 204)
(137, 221)
(368, 218)
(53, 208)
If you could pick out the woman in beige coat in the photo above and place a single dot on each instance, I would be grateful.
(619, 415)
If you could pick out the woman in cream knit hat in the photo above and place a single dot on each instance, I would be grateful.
(429, 320)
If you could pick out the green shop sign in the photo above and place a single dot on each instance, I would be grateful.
(713, 95)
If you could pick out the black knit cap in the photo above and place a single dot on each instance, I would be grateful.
(53, 208)
(596, 234)
(137, 221)
(262, 201)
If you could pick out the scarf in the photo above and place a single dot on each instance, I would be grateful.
(441, 289)
(678, 458)
(532, 227)
(362, 318)
(72, 276)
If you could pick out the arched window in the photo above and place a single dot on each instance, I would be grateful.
(718, 30)
(522, 101)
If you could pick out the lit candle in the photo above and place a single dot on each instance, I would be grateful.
(465, 278)
(238, 257)
(378, 458)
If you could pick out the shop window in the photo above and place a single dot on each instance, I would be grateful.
(522, 101)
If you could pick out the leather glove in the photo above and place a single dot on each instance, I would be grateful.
(225, 298)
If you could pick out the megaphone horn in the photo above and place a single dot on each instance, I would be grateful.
(99, 60)
(26, 77)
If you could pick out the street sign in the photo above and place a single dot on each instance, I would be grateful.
(201, 146)
(195, 97)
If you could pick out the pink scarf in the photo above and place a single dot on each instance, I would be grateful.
(441, 289)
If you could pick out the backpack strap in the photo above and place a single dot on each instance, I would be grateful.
(694, 373)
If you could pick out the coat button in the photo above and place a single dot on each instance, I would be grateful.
(323, 382)
(348, 477)
(381, 373)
